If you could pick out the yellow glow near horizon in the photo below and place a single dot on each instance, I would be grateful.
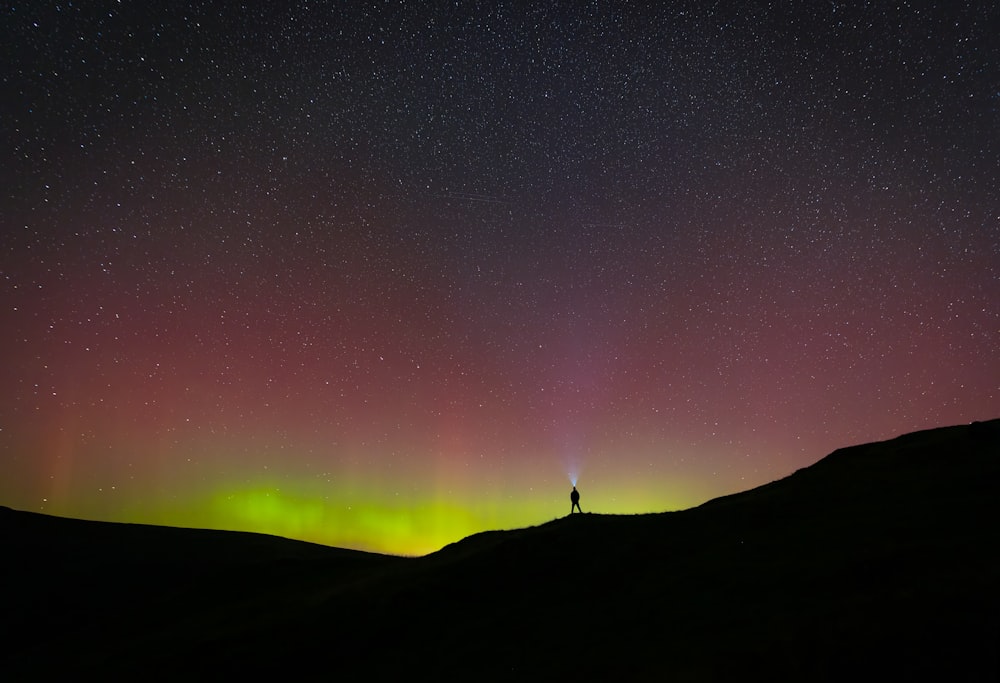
(373, 520)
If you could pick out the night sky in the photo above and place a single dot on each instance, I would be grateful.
(382, 275)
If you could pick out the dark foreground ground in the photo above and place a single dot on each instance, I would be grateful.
(880, 562)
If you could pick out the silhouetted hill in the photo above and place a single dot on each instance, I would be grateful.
(878, 562)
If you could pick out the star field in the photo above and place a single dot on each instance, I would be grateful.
(381, 275)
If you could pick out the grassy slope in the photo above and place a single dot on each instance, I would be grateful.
(880, 561)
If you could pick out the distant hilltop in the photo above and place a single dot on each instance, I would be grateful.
(880, 561)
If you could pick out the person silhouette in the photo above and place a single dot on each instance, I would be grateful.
(574, 499)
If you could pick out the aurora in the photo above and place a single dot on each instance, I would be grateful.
(382, 276)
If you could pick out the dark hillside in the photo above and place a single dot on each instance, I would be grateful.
(878, 562)
(90, 591)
